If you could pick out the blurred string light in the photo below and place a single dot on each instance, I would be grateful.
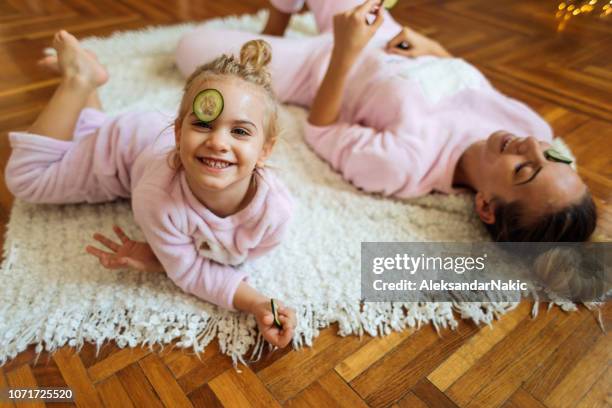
(568, 9)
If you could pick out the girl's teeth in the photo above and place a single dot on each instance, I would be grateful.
(216, 164)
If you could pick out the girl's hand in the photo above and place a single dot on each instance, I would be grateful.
(265, 322)
(351, 29)
(418, 45)
(129, 254)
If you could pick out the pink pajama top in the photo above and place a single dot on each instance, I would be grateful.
(404, 122)
(127, 156)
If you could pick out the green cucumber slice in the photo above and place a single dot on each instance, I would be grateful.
(277, 322)
(208, 105)
(556, 156)
(389, 3)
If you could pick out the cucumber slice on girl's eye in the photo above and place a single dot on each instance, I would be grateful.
(208, 105)
(556, 156)
(277, 322)
(389, 3)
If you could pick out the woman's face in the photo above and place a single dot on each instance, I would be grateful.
(514, 168)
(218, 154)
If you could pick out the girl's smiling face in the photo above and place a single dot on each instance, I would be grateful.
(223, 153)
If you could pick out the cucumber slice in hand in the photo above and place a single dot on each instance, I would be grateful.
(556, 156)
(389, 4)
(208, 105)
(277, 322)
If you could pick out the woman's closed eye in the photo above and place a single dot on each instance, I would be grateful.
(519, 167)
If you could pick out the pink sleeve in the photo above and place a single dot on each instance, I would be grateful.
(375, 161)
(288, 6)
(94, 167)
(158, 217)
(271, 239)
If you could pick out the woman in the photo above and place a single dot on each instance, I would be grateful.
(405, 126)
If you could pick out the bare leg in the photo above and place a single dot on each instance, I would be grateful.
(81, 75)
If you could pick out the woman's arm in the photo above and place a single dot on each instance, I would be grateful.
(351, 34)
(277, 22)
(325, 108)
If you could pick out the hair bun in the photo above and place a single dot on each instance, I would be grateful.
(256, 54)
(571, 275)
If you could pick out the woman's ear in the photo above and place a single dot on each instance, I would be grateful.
(485, 207)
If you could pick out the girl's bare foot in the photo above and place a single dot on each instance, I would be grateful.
(77, 64)
(50, 61)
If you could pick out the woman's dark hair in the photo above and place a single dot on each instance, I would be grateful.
(563, 271)
(574, 223)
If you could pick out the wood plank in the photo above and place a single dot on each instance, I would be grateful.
(476, 347)
(543, 380)
(4, 385)
(22, 377)
(184, 362)
(329, 390)
(582, 376)
(496, 390)
(380, 374)
(113, 394)
(410, 401)
(522, 399)
(499, 357)
(380, 386)
(231, 387)
(47, 373)
(75, 374)
(140, 390)
(364, 357)
(170, 393)
(294, 372)
(431, 395)
(205, 397)
(115, 362)
(203, 373)
(224, 389)
(600, 395)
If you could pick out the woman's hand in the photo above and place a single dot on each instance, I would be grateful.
(417, 44)
(265, 321)
(129, 254)
(352, 31)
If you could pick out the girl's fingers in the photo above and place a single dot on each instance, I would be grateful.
(96, 252)
(267, 319)
(106, 242)
(286, 322)
(124, 238)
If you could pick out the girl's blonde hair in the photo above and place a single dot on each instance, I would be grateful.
(255, 55)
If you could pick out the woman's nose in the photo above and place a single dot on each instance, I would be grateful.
(531, 147)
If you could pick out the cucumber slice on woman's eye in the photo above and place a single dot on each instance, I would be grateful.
(208, 105)
(389, 3)
(556, 156)
(277, 322)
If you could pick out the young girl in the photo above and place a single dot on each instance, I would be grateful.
(407, 122)
(199, 188)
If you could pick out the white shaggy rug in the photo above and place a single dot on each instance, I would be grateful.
(54, 294)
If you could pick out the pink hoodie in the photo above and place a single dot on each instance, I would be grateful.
(126, 156)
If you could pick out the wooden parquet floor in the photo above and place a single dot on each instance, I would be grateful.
(556, 360)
